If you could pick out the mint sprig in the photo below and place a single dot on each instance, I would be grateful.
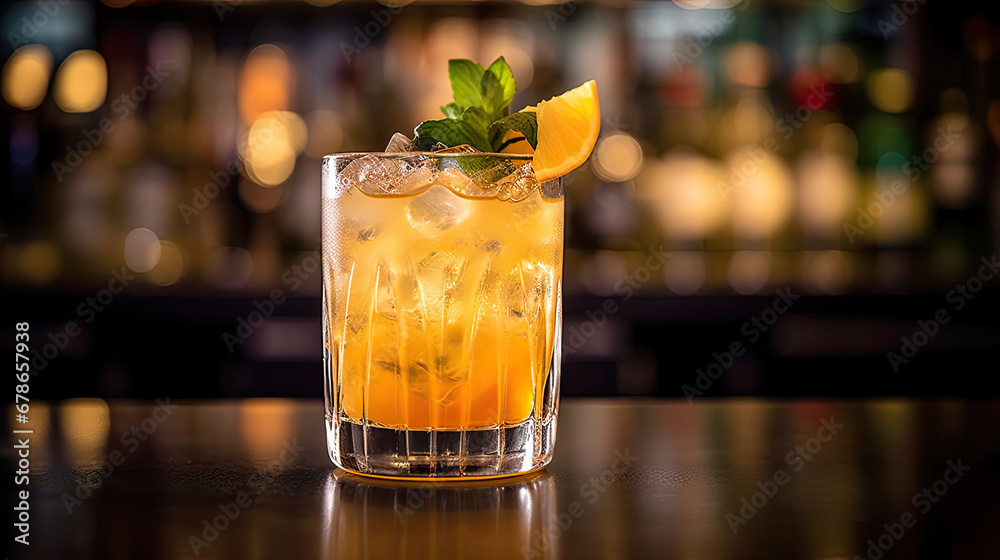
(479, 113)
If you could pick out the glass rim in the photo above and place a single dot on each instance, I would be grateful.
(457, 155)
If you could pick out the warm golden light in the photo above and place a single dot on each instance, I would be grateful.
(84, 424)
(265, 425)
(828, 191)
(890, 89)
(39, 262)
(762, 198)
(683, 190)
(170, 267)
(747, 64)
(272, 144)
(81, 82)
(265, 82)
(25, 77)
(618, 157)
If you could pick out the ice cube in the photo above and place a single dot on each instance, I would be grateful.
(400, 143)
(374, 175)
(360, 230)
(418, 179)
(488, 171)
(518, 185)
(436, 211)
(527, 288)
(385, 297)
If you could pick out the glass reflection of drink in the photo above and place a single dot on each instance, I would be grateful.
(502, 519)
(442, 290)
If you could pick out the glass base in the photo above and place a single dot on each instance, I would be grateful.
(441, 454)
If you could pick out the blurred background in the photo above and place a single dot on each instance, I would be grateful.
(814, 181)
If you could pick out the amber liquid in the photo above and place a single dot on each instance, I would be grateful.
(440, 311)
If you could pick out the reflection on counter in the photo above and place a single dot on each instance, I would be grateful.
(505, 518)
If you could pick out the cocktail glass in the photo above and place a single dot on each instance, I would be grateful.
(441, 313)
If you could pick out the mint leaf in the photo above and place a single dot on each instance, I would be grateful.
(465, 76)
(446, 131)
(526, 123)
(452, 110)
(502, 71)
(470, 129)
(492, 93)
(476, 123)
(481, 100)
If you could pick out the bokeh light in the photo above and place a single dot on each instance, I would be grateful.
(683, 191)
(39, 262)
(748, 271)
(685, 272)
(26, 76)
(142, 250)
(265, 82)
(170, 266)
(763, 197)
(828, 191)
(828, 272)
(747, 64)
(618, 157)
(838, 63)
(890, 89)
(81, 82)
(273, 142)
